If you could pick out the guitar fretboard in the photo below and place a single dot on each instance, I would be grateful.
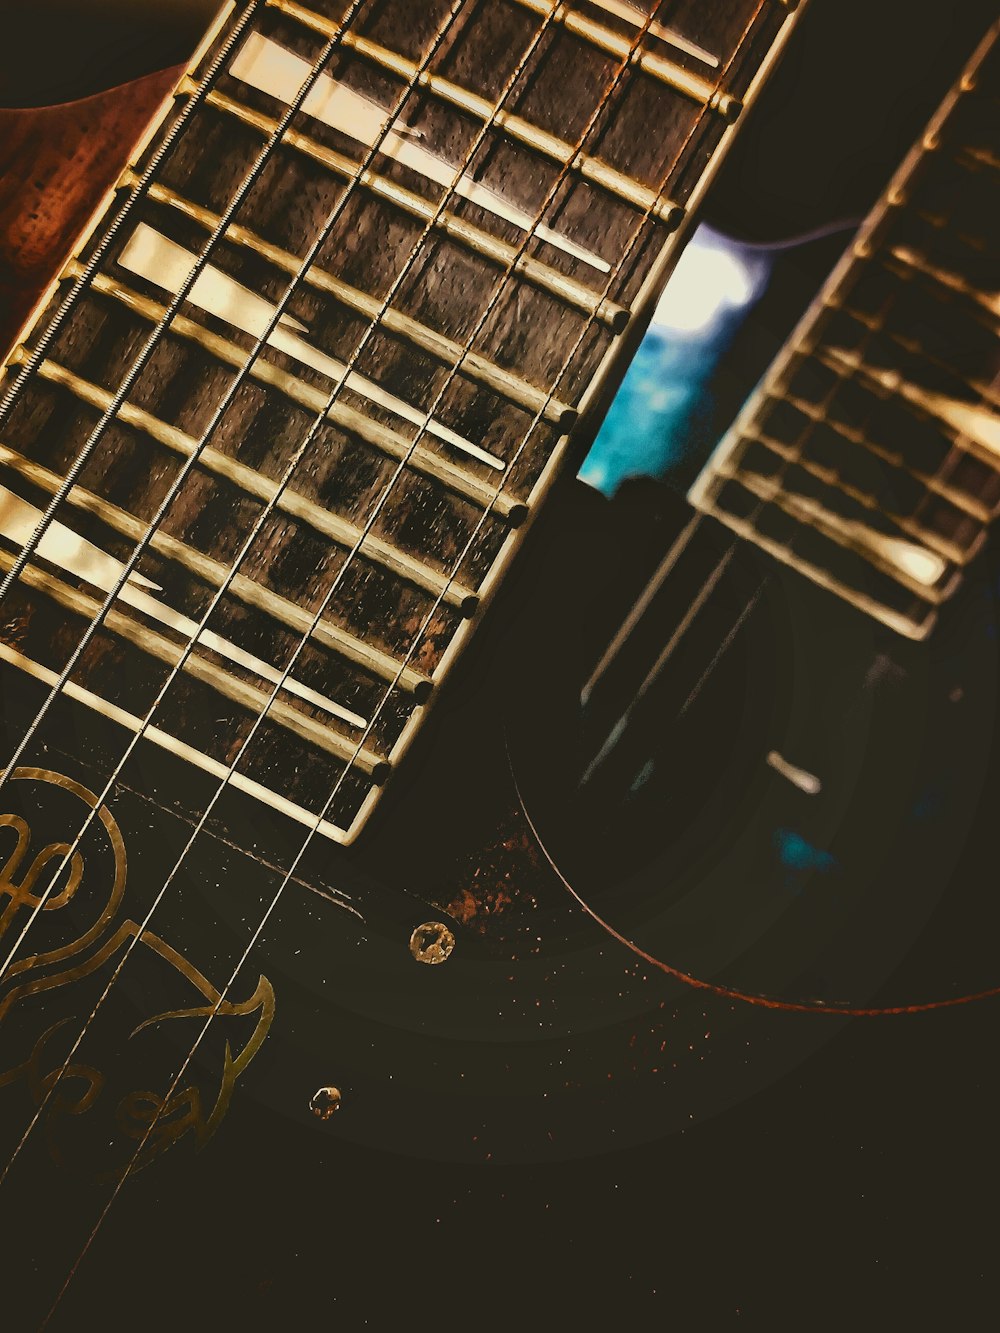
(869, 457)
(324, 363)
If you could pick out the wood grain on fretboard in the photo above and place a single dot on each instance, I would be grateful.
(869, 458)
(488, 447)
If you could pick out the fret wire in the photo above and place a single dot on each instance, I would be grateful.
(384, 438)
(956, 554)
(909, 344)
(243, 746)
(933, 481)
(456, 228)
(324, 521)
(864, 250)
(229, 686)
(674, 76)
(306, 844)
(444, 349)
(185, 471)
(592, 169)
(212, 571)
(869, 543)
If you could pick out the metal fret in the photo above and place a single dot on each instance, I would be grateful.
(443, 349)
(166, 650)
(215, 574)
(948, 549)
(975, 426)
(990, 302)
(392, 444)
(590, 168)
(674, 76)
(498, 252)
(917, 569)
(541, 321)
(164, 740)
(911, 624)
(969, 504)
(330, 525)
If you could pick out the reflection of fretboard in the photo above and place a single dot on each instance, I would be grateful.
(420, 289)
(869, 458)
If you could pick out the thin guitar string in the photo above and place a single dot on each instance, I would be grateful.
(179, 480)
(259, 930)
(272, 143)
(500, 286)
(217, 599)
(372, 328)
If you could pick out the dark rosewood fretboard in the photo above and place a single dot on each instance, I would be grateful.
(303, 393)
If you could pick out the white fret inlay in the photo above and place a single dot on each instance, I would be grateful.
(159, 260)
(61, 546)
(271, 69)
(633, 14)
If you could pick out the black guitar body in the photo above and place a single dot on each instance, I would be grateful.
(542, 1042)
(715, 1041)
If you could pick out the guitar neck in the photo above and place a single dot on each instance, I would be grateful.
(869, 457)
(302, 394)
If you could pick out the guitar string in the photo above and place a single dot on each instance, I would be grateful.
(232, 574)
(308, 840)
(348, 768)
(483, 134)
(85, 453)
(179, 480)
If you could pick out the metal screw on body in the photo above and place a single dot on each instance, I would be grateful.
(324, 1102)
(432, 942)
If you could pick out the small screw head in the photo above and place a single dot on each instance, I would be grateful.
(324, 1102)
(432, 942)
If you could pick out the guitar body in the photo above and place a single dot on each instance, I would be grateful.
(643, 1063)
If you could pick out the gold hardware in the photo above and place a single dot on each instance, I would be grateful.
(325, 1103)
(432, 943)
